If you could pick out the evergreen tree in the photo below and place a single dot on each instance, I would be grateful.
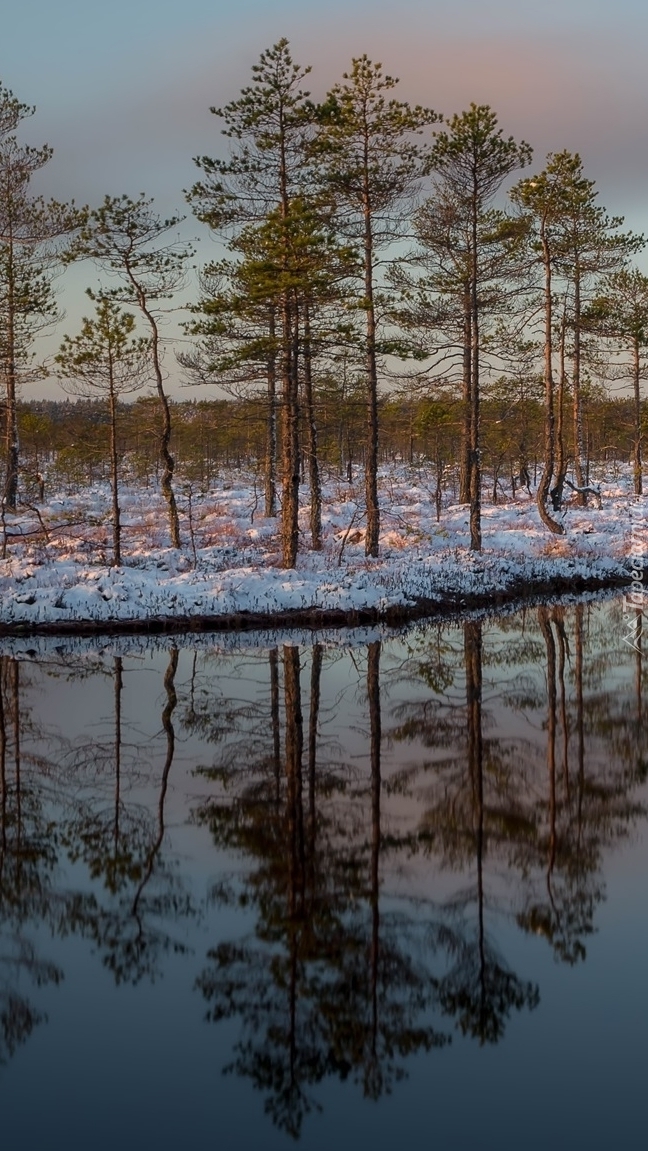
(571, 239)
(30, 228)
(256, 186)
(371, 164)
(106, 359)
(127, 238)
(591, 245)
(620, 313)
(471, 159)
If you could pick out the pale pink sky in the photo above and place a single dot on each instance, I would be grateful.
(123, 91)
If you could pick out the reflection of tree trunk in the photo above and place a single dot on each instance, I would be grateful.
(545, 627)
(118, 665)
(638, 666)
(294, 750)
(563, 649)
(313, 716)
(3, 773)
(15, 693)
(274, 712)
(167, 725)
(373, 694)
(473, 659)
(580, 722)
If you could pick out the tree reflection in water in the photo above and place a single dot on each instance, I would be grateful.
(135, 926)
(322, 986)
(379, 862)
(28, 855)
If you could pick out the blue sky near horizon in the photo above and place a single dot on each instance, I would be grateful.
(123, 89)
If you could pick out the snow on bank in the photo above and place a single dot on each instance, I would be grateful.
(60, 575)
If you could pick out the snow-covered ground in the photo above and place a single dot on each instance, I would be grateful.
(57, 569)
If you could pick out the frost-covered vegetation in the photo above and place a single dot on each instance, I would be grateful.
(430, 369)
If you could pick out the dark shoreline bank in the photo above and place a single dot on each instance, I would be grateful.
(520, 591)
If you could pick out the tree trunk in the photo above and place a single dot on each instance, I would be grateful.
(549, 437)
(11, 415)
(475, 464)
(638, 478)
(270, 489)
(371, 451)
(290, 438)
(561, 461)
(166, 459)
(114, 468)
(581, 497)
(311, 430)
(464, 467)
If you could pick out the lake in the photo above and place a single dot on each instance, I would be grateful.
(332, 889)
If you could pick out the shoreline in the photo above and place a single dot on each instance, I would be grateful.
(523, 591)
(230, 579)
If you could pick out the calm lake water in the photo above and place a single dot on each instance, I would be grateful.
(376, 889)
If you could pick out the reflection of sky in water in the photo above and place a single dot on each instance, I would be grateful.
(126, 1066)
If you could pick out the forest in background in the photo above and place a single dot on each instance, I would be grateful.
(378, 297)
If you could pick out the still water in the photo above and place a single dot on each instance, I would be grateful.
(338, 890)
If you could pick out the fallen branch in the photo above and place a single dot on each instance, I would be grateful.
(587, 490)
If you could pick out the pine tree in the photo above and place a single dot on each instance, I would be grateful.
(268, 127)
(371, 163)
(620, 314)
(106, 359)
(128, 239)
(571, 239)
(471, 159)
(31, 229)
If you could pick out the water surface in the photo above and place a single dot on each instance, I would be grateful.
(350, 889)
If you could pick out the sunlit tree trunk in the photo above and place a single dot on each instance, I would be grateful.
(464, 472)
(371, 445)
(577, 402)
(311, 441)
(271, 428)
(10, 371)
(636, 383)
(550, 423)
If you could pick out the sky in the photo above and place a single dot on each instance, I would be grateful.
(123, 89)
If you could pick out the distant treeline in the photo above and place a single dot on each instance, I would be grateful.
(68, 443)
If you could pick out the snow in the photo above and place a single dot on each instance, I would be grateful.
(65, 577)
